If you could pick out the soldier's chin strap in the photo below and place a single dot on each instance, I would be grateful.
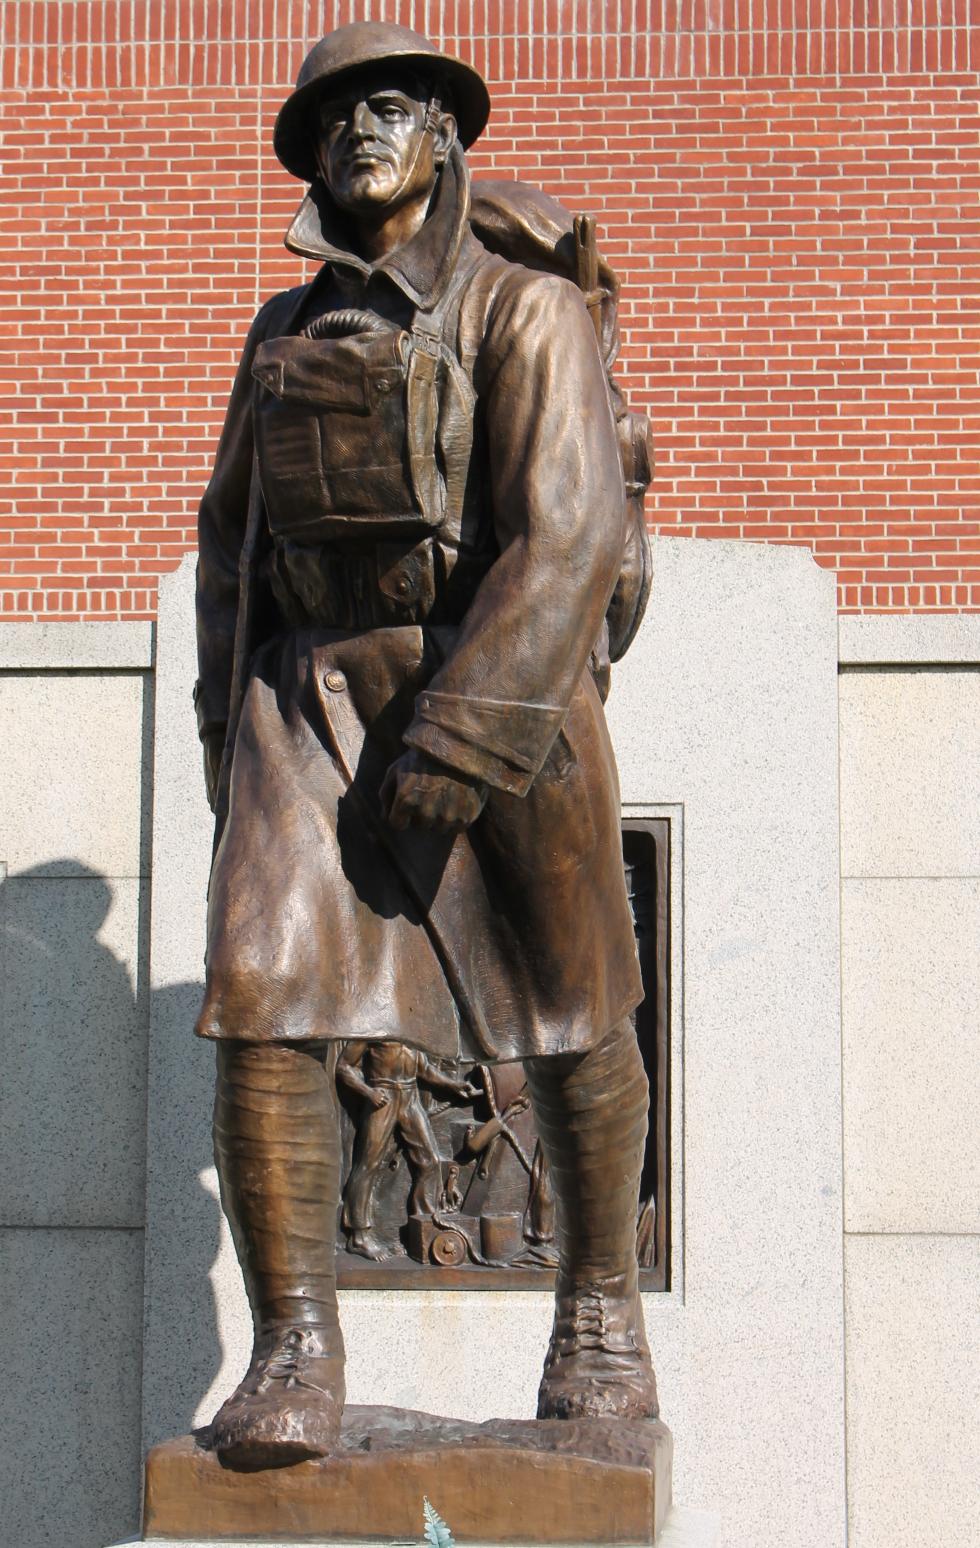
(430, 123)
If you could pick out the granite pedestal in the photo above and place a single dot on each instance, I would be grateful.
(724, 720)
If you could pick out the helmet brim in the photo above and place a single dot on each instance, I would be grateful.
(293, 138)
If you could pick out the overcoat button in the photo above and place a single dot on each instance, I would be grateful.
(384, 385)
(336, 682)
(402, 586)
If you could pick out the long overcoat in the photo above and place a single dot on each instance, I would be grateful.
(444, 596)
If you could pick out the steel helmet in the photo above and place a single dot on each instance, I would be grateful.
(351, 48)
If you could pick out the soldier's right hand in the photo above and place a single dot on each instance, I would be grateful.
(379, 1098)
(422, 793)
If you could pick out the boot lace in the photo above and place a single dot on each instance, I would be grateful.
(286, 1365)
(587, 1323)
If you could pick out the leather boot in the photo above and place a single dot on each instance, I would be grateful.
(277, 1148)
(591, 1112)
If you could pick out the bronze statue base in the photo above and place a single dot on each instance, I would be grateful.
(505, 1481)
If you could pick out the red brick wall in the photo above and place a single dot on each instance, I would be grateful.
(789, 187)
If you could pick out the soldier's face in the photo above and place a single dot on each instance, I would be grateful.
(373, 151)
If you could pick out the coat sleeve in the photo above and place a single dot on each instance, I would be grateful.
(221, 531)
(499, 699)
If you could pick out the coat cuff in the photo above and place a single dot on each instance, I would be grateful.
(211, 714)
(502, 743)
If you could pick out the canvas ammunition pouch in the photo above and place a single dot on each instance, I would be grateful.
(364, 429)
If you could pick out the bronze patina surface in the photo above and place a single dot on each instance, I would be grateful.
(420, 550)
(584, 1481)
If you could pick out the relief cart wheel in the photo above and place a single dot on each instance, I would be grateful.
(448, 1249)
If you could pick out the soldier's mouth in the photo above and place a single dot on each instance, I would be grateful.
(367, 161)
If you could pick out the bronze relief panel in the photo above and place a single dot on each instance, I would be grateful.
(445, 1185)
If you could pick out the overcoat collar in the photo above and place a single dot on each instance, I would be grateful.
(423, 267)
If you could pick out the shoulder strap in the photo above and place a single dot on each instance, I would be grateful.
(430, 328)
(434, 373)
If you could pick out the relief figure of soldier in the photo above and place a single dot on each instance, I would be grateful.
(386, 1076)
(419, 550)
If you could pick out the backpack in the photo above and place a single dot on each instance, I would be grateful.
(527, 226)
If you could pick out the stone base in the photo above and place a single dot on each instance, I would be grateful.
(505, 1481)
(686, 1528)
(683, 1528)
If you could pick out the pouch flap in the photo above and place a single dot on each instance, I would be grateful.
(406, 574)
(328, 373)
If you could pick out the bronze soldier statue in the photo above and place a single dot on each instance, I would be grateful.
(412, 560)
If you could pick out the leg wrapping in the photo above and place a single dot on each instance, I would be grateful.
(591, 1112)
(277, 1149)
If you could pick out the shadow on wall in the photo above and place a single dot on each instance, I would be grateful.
(73, 1048)
(184, 1350)
(74, 1019)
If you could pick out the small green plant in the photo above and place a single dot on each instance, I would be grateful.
(437, 1534)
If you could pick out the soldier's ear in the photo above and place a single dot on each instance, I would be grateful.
(443, 138)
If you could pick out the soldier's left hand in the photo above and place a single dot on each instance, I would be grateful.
(421, 793)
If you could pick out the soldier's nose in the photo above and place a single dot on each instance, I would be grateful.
(362, 122)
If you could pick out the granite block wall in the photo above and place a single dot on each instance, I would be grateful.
(75, 727)
(910, 842)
